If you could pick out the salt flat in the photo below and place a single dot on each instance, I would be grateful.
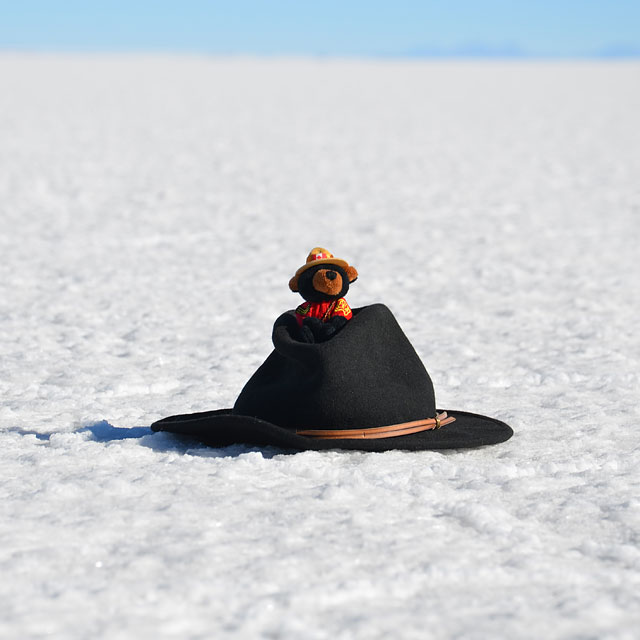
(152, 210)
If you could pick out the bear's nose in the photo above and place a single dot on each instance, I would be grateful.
(331, 275)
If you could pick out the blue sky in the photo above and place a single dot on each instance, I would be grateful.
(326, 27)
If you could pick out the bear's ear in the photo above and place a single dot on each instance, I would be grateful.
(293, 284)
(352, 274)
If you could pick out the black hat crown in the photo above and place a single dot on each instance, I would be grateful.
(366, 376)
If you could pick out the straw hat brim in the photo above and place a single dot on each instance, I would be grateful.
(313, 263)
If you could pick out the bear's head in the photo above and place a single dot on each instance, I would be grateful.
(323, 282)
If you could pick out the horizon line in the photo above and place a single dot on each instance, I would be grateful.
(607, 53)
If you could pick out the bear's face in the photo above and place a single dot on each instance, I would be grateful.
(323, 282)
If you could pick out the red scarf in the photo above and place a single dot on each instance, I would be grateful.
(323, 310)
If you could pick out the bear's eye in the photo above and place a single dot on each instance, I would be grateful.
(331, 275)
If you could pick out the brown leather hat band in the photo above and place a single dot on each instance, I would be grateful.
(390, 431)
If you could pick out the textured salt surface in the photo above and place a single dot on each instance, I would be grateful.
(152, 212)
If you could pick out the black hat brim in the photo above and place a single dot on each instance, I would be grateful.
(222, 428)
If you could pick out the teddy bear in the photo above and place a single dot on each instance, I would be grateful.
(322, 281)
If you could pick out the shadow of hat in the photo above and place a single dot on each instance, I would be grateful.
(367, 378)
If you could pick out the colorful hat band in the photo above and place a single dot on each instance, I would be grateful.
(319, 256)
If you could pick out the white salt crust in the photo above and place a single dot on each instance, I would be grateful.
(152, 210)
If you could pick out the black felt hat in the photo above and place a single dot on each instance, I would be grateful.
(365, 388)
